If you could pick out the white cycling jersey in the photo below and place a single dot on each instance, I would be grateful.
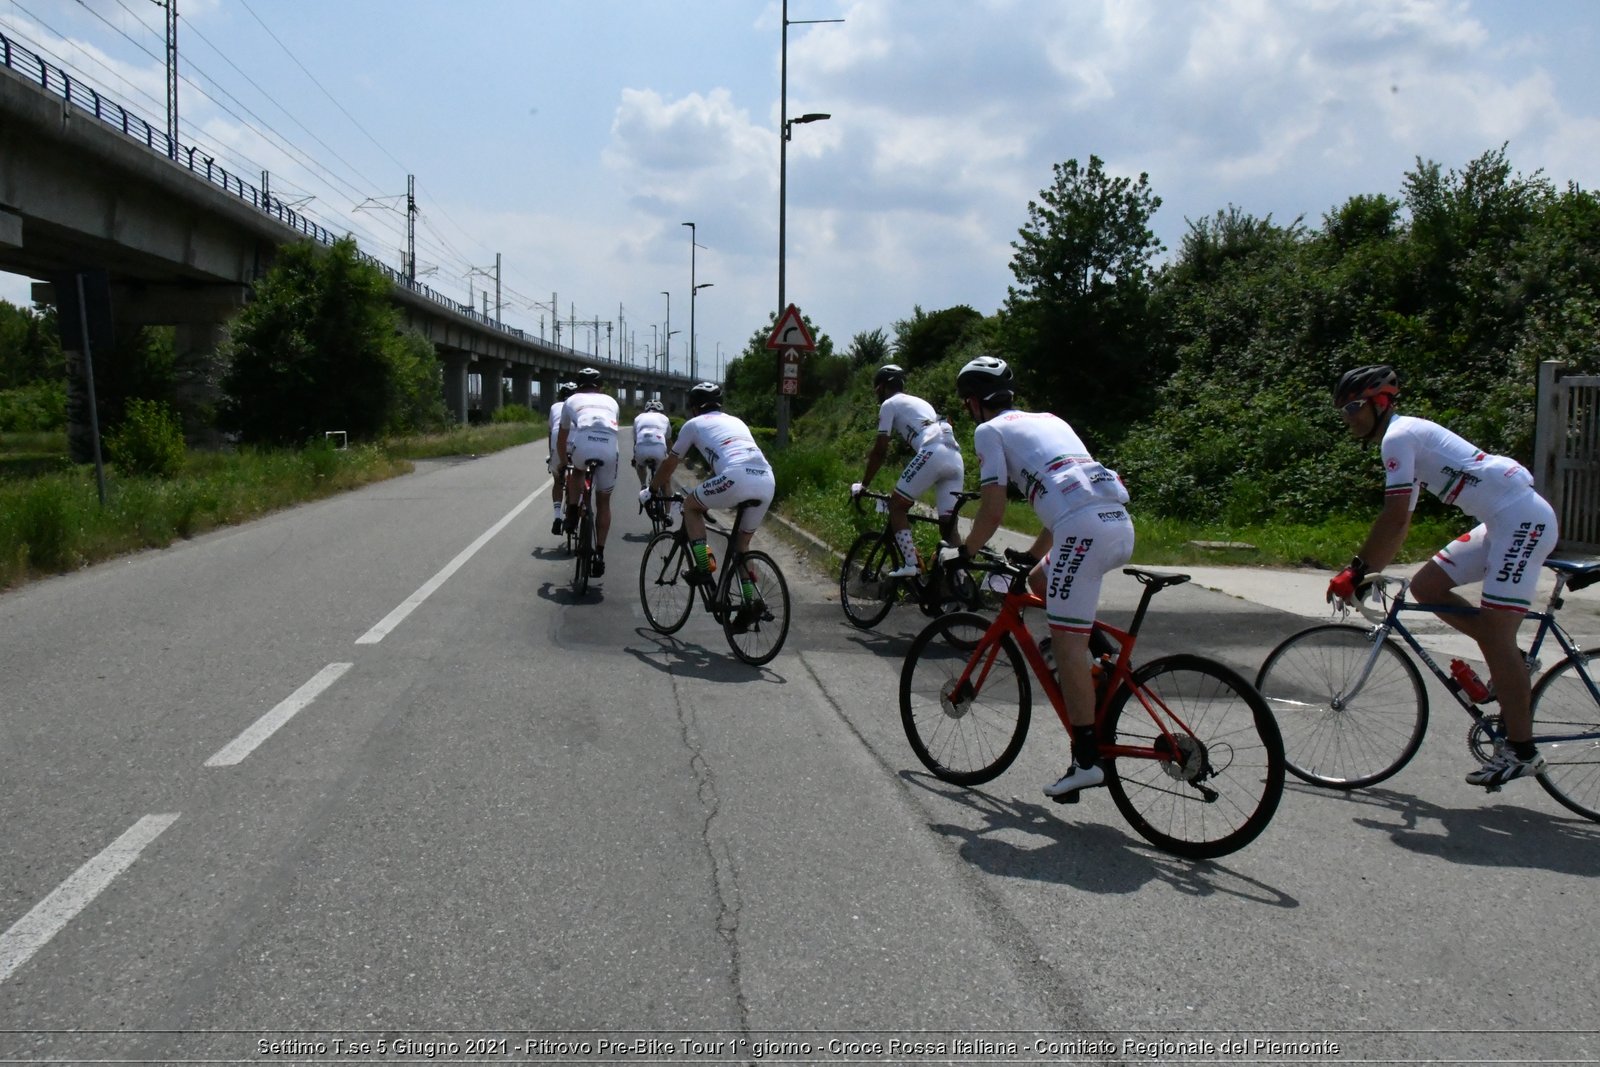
(914, 420)
(651, 428)
(1043, 457)
(1419, 454)
(590, 413)
(725, 441)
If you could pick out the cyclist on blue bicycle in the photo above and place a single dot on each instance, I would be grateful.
(589, 431)
(739, 472)
(937, 464)
(1516, 532)
(1087, 534)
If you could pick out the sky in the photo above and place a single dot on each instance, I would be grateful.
(572, 138)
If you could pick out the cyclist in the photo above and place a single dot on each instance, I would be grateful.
(937, 464)
(739, 472)
(557, 467)
(589, 431)
(651, 429)
(1080, 504)
(1516, 531)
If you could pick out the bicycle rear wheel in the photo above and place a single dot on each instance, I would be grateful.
(1333, 741)
(664, 588)
(864, 594)
(1566, 727)
(1219, 774)
(585, 552)
(755, 620)
(969, 736)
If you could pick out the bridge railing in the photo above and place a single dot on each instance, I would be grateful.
(59, 82)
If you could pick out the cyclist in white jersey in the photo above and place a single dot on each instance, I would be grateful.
(589, 431)
(554, 463)
(937, 464)
(1087, 533)
(1515, 533)
(739, 472)
(651, 429)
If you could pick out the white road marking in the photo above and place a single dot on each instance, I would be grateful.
(398, 615)
(29, 933)
(264, 727)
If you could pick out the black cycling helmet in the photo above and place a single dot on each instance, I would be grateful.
(889, 374)
(566, 389)
(653, 405)
(1367, 383)
(705, 395)
(987, 378)
(588, 378)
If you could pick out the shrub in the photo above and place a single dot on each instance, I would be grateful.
(148, 443)
(34, 408)
(514, 413)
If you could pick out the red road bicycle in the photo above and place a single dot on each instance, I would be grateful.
(1192, 754)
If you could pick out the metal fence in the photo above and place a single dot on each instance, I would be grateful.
(1567, 454)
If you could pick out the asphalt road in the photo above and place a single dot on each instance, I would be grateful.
(250, 814)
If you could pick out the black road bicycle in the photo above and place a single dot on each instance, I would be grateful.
(580, 534)
(749, 599)
(867, 593)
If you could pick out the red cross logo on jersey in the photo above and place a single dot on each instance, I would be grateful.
(1392, 464)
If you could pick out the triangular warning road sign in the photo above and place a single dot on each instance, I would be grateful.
(791, 332)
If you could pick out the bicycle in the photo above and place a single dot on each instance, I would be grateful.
(867, 596)
(1353, 708)
(580, 534)
(657, 509)
(1192, 755)
(755, 621)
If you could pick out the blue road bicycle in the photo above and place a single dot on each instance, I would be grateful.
(1353, 710)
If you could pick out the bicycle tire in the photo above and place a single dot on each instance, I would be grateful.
(1344, 746)
(755, 629)
(1231, 750)
(970, 741)
(862, 571)
(664, 589)
(1562, 706)
(580, 563)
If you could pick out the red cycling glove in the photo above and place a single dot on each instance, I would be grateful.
(1343, 586)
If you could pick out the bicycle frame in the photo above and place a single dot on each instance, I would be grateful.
(924, 590)
(711, 593)
(1009, 622)
(1393, 624)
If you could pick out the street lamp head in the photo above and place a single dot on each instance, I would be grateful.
(812, 116)
(704, 285)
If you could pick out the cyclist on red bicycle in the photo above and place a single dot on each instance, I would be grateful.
(589, 431)
(555, 463)
(937, 464)
(1080, 504)
(651, 430)
(739, 472)
(1505, 550)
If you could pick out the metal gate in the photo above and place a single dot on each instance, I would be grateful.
(1567, 454)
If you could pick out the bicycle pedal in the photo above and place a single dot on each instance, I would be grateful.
(1491, 788)
(1068, 798)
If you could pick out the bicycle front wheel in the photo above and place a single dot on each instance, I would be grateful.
(864, 593)
(664, 589)
(1566, 727)
(966, 733)
(1218, 773)
(1332, 738)
(755, 611)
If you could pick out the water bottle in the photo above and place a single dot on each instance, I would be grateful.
(1469, 681)
(1048, 652)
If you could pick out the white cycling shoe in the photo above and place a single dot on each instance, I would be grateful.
(905, 570)
(1075, 779)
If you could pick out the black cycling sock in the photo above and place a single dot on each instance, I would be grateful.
(1085, 746)
(1524, 750)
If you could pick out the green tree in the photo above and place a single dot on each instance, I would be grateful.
(928, 337)
(30, 346)
(869, 349)
(319, 348)
(1078, 322)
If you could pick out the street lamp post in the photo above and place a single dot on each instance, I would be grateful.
(694, 366)
(785, 123)
(666, 349)
(692, 289)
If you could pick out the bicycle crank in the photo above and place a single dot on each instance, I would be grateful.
(1484, 738)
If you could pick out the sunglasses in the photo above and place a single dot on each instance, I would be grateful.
(1353, 407)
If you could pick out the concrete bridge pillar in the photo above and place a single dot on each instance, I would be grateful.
(522, 384)
(492, 372)
(198, 380)
(455, 385)
(547, 389)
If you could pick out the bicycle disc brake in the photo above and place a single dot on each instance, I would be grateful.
(1190, 762)
(956, 698)
(1483, 739)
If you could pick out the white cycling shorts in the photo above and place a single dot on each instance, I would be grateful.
(1506, 552)
(1088, 544)
(584, 445)
(650, 453)
(735, 485)
(939, 469)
